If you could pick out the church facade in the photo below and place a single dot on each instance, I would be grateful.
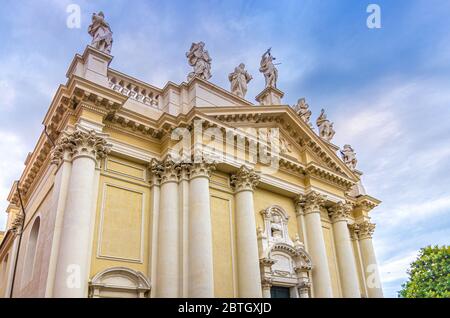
(185, 191)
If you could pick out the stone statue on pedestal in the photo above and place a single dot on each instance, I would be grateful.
(268, 69)
(200, 60)
(239, 80)
(326, 130)
(303, 111)
(349, 157)
(101, 33)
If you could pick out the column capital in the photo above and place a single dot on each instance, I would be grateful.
(309, 203)
(80, 143)
(245, 179)
(366, 230)
(201, 169)
(340, 211)
(354, 230)
(17, 223)
(163, 171)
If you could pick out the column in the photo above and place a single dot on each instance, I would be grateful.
(201, 274)
(155, 196)
(168, 259)
(61, 158)
(316, 245)
(249, 281)
(72, 271)
(354, 230)
(371, 275)
(339, 215)
(16, 227)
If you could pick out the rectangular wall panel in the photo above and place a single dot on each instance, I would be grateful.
(222, 232)
(121, 224)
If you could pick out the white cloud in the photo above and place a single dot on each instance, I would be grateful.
(395, 269)
(13, 151)
(8, 95)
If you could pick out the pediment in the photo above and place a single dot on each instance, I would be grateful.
(303, 144)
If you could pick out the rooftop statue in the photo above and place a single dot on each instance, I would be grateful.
(326, 130)
(349, 157)
(239, 80)
(303, 111)
(268, 69)
(101, 33)
(200, 60)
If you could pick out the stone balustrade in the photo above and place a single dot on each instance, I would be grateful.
(134, 89)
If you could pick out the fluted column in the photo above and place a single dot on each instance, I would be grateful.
(72, 270)
(371, 275)
(339, 215)
(249, 281)
(201, 274)
(168, 262)
(311, 204)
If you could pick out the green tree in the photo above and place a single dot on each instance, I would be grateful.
(429, 274)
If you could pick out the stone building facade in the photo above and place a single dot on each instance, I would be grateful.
(110, 204)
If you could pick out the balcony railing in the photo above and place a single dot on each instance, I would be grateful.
(134, 89)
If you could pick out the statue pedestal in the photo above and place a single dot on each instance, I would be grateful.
(270, 96)
(92, 65)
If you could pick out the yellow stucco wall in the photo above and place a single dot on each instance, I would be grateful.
(122, 235)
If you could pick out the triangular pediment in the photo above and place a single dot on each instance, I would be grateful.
(301, 142)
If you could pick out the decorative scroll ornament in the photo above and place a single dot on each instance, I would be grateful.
(326, 130)
(200, 60)
(101, 33)
(340, 211)
(349, 157)
(245, 179)
(366, 230)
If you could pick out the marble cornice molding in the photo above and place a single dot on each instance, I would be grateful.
(245, 179)
(340, 211)
(365, 230)
(367, 203)
(282, 117)
(315, 170)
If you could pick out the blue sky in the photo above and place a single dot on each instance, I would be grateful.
(387, 90)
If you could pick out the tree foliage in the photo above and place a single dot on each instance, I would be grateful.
(429, 274)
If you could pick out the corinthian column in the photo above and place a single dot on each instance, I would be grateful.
(316, 244)
(72, 271)
(168, 262)
(201, 275)
(339, 214)
(371, 274)
(249, 281)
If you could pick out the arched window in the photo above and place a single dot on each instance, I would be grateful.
(31, 251)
